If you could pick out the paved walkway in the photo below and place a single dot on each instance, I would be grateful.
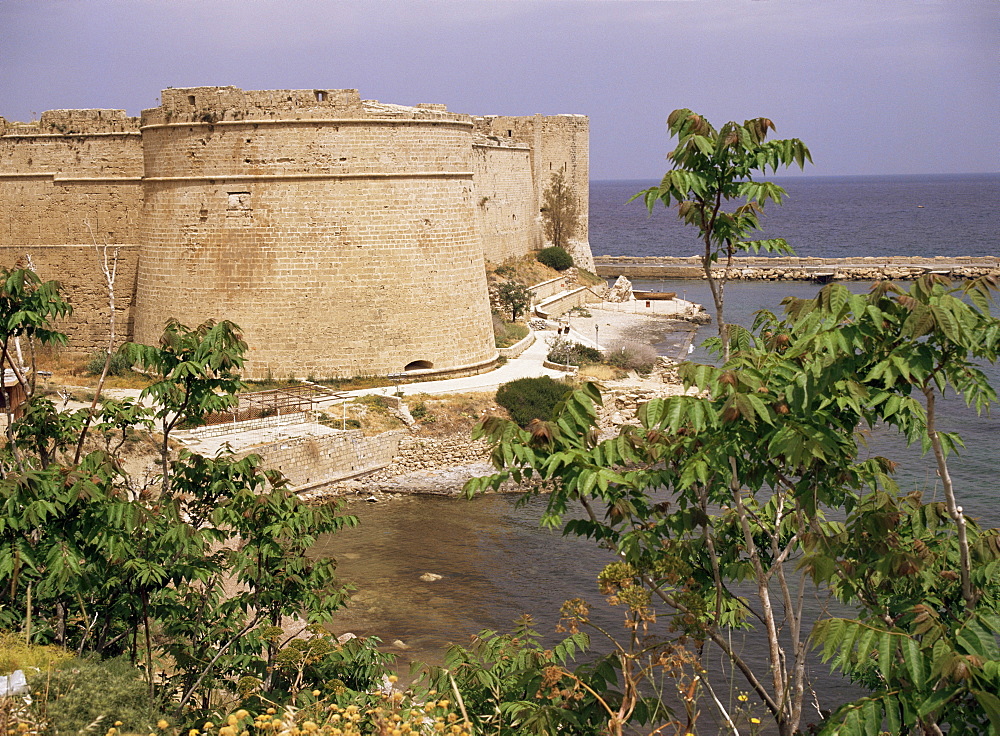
(527, 365)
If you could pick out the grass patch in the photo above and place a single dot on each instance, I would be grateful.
(599, 372)
(586, 278)
(454, 414)
(356, 383)
(508, 333)
(15, 654)
(524, 270)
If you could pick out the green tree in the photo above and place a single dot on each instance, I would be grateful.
(198, 372)
(715, 498)
(28, 308)
(560, 211)
(200, 573)
(513, 297)
(713, 169)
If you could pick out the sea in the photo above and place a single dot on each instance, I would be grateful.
(497, 564)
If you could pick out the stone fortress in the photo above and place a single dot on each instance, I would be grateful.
(345, 236)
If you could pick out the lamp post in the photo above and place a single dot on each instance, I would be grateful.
(597, 335)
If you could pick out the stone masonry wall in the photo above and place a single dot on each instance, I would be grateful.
(346, 236)
(78, 270)
(321, 237)
(506, 212)
(557, 142)
(309, 461)
(70, 183)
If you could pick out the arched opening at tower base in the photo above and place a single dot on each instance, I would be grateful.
(418, 365)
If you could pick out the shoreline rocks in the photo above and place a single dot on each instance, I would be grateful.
(795, 268)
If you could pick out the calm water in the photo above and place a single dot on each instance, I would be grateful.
(829, 217)
(497, 564)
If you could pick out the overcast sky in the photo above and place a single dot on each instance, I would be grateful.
(871, 86)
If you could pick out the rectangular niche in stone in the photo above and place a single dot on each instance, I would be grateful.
(239, 204)
(238, 209)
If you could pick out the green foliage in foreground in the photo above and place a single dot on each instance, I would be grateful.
(760, 470)
(511, 684)
(711, 171)
(527, 399)
(190, 574)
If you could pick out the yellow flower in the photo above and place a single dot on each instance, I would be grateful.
(118, 723)
(208, 725)
(316, 693)
(227, 731)
(162, 724)
(742, 697)
(754, 720)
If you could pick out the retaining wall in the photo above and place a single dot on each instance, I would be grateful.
(312, 461)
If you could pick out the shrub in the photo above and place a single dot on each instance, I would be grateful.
(567, 352)
(633, 356)
(421, 413)
(120, 365)
(531, 398)
(82, 691)
(555, 257)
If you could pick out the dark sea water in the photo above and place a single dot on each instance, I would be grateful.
(496, 562)
(831, 217)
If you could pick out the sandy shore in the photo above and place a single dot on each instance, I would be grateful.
(611, 323)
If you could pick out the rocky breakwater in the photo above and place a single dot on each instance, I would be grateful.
(887, 272)
(794, 268)
(424, 465)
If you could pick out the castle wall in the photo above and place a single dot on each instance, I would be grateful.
(345, 236)
(343, 242)
(506, 211)
(69, 183)
(557, 142)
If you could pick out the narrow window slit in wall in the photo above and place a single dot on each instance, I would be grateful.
(320, 95)
(191, 100)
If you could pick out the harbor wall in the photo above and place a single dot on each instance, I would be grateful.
(794, 268)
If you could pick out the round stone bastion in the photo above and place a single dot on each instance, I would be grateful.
(339, 234)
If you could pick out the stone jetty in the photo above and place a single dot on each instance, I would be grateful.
(801, 269)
